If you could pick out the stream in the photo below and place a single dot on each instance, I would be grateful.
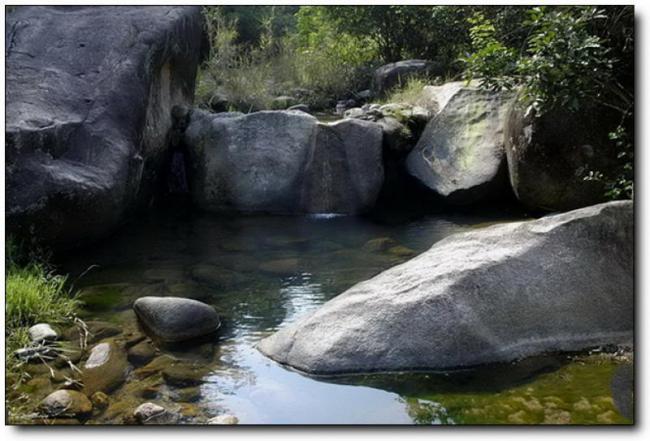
(262, 272)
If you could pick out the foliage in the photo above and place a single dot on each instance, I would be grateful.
(400, 31)
(314, 57)
(572, 58)
(33, 294)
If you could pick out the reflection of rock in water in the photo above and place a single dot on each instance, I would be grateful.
(623, 390)
(491, 378)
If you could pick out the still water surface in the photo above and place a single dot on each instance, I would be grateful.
(262, 272)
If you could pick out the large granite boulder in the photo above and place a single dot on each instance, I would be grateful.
(90, 92)
(460, 155)
(390, 75)
(560, 283)
(550, 155)
(176, 319)
(283, 162)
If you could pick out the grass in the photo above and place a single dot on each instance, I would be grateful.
(33, 294)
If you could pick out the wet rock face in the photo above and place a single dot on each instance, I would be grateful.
(88, 118)
(460, 155)
(283, 162)
(560, 283)
(176, 319)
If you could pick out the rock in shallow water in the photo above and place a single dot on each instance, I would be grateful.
(174, 319)
(105, 368)
(150, 413)
(66, 403)
(560, 283)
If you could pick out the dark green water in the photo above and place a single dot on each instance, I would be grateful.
(261, 273)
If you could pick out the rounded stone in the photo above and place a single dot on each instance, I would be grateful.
(174, 319)
(224, 420)
(42, 332)
(105, 368)
(66, 403)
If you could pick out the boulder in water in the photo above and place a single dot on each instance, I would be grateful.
(560, 283)
(175, 319)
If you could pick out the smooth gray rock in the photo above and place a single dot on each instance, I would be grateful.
(90, 92)
(560, 283)
(283, 162)
(174, 319)
(42, 332)
(460, 155)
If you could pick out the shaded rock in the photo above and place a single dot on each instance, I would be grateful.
(156, 365)
(380, 244)
(105, 369)
(460, 155)
(76, 165)
(300, 108)
(42, 332)
(560, 283)
(282, 102)
(141, 353)
(549, 156)
(395, 74)
(97, 330)
(224, 420)
(216, 276)
(401, 251)
(100, 400)
(174, 319)
(187, 394)
(150, 413)
(184, 375)
(283, 162)
(282, 267)
(66, 403)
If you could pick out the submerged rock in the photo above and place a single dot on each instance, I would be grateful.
(283, 162)
(90, 92)
(224, 420)
(461, 155)
(184, 375)
(105, 369)
(560, 283)
(175, 319)
(150, 413)
(66, 403)
(141, 353)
